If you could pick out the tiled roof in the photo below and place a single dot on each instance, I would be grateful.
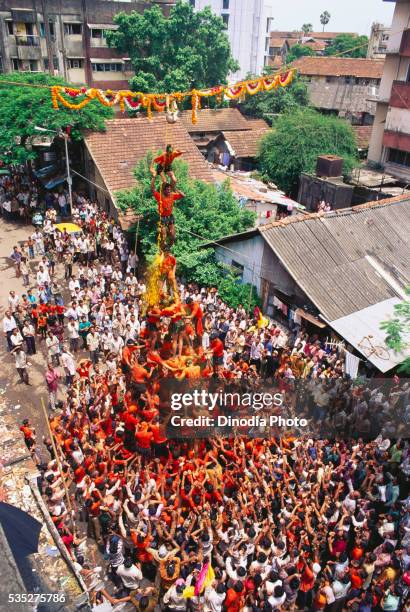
(315, 45)
(363, 134)
(245, 144)
(215, 120)
(125, 142)
(276, 61)
(339, 66)
(257, 124)
(316, 35)
(276, 42)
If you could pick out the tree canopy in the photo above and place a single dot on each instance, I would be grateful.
(350, 46)
(296, 140)
(186, 50)
(397, 330)
(206, 210)
(324, 19)
(306, 28)
(284, 99)
(22, 108)
(298, 51)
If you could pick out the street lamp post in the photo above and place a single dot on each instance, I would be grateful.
(61, 134)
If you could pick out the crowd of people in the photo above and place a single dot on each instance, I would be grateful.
(221, 523)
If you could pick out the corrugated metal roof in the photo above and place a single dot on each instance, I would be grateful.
(362, 330)
(330, 256)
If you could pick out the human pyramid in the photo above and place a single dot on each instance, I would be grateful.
(217, 524)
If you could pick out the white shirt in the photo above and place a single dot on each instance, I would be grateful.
(213, 600)
(16, 339)
(93, 342)
(130, 576)
(72, 330)
(68, 363)
(9, 324)
(21, 359)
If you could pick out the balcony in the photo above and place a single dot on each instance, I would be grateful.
(400, 95)
(27, 40)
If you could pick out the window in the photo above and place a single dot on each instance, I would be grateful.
(408, 75)
(73, 29)
(225, 19)
(43, 29)
(75, 62)
(55, 62)
(16, 63)
(46, 63)
(225, 5)
(100, 67)
(238, 269)
(402, 158)
(33, 65)
(97, 33)
(10, 27)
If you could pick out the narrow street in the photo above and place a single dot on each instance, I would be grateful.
(24, 401)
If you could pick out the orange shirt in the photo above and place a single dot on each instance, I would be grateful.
(144, 438)
(166, 203)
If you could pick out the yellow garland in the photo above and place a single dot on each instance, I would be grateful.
(157, 101)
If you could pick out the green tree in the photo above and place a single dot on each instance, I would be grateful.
(298, 51)
(186, 50)
(306, 28)
(281, 100)
(22, 108)
(296, 140)
(324, 19)
(397, 331)
(348, 45)
(207, 212)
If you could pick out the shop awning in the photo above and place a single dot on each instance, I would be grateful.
(306, 315)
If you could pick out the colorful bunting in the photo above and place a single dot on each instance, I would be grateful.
(76, 99)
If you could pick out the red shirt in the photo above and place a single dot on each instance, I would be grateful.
(144, 438)
(217, 347)
(166, 203)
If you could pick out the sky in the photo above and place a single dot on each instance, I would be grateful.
(346, 15)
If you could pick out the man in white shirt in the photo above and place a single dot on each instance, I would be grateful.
(9, 323)
(21, 364)
(68, 363)
(43, 276)
(130, 574)
(93, 343)
(214, 598)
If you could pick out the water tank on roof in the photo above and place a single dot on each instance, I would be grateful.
(329, 165)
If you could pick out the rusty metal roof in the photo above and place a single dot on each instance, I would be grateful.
(344, 260)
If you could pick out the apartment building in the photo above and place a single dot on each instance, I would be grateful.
(248, 24)
(342, 85)
(66, 38)
(390, 140)
(378, 40)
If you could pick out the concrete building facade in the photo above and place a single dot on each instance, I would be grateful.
(66, 38)
(343, 85)
(248, 23)
(390, 140)
(378, 41)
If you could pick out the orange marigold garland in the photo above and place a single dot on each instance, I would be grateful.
(134, 100)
